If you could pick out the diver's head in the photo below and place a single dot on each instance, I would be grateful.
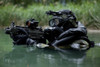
(69, 19)
(32, 23)
(67, 13)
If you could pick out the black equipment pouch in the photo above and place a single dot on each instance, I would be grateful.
(35, 34)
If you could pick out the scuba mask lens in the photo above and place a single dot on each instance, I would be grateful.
(54, 22)
(51, 23)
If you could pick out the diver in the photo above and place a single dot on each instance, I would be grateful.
(17, 33)
(70, 29)
(29, 34)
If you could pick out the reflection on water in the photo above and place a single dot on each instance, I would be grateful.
(73, 56)
(21, 56)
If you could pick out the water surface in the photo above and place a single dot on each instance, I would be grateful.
(21, 56)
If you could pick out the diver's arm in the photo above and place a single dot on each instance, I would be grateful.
(80, 30)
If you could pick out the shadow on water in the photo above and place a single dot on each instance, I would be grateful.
(29, 57)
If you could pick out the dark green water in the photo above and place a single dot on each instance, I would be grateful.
(21, 56)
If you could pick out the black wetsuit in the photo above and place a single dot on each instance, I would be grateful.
(71, 35)
(33, 36)
(20, 36)
(52, 33)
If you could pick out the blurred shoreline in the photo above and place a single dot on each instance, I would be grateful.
(43, 27)
(93, 31)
